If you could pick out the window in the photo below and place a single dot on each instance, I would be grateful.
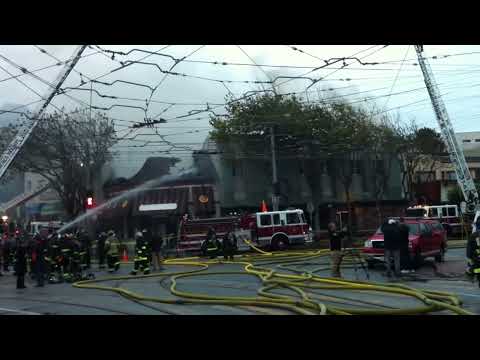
(477, 140)
(293, 218)
(416, 212)
(423, 229)
(449, 175)
(412, 229)
(451, 211)
(425, 176)
(303, 218)
(444, 211)
(265, 220)
(438, 227)
(433, 212)
(466, 140)
(276, 219)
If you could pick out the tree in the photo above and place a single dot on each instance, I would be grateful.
(382, 153)
(67, 149)
(416, 147)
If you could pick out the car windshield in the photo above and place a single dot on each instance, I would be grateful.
(412, 229)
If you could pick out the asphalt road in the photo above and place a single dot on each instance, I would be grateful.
(66, 300)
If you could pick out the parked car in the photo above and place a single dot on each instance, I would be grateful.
(427, 238)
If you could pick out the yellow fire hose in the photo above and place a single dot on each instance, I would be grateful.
(302, 302)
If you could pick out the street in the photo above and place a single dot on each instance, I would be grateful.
(230, 280)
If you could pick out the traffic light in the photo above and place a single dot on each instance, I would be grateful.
(90, 201)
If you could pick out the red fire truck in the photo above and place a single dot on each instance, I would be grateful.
(273, 229)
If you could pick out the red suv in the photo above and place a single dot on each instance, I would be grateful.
(427, 238)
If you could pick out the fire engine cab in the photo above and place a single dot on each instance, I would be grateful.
(279, 229)
(448, 215)
(273, 229)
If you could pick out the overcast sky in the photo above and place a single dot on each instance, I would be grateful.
(457, 75)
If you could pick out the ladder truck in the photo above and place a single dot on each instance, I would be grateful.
(27, 128)
(455, 152)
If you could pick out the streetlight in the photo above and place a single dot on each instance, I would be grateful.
(4, 218)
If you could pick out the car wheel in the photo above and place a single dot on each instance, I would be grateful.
(279, 243)
(441, 256)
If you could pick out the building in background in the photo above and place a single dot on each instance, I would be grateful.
(44, 207)
(433, 186)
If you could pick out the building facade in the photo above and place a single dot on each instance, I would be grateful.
(433, 186)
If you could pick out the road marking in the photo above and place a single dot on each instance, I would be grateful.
(19, 311)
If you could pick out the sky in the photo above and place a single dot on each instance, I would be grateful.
(394, 85)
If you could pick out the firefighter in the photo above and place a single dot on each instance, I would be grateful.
(101, 249)
(86, 246)
(66, 250)
(21, 262)
(40, 262)
(147, 239)
(76, 259)
(473, 255)
(229, 245)
(211, 245)
(142, 251)
(111, 249)
(55, 256)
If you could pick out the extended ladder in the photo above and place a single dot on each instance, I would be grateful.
(27, 128)
(464, 178)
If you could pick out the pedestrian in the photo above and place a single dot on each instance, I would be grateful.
(229, 245)
(157, 257)
(405, 260)
(111, 249)
(21, 262)
(102, 237)
(336, 247)
(40, 262)
(392, 245)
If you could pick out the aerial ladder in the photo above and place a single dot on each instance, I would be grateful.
(27, 128)
(455, 152)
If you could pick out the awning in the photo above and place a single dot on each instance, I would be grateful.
(157, 207)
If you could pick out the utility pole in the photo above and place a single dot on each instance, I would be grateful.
(274, 170)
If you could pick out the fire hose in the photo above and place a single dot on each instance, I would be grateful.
(304, 286)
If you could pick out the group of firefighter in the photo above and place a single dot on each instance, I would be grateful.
(212, 247)
(49, 256)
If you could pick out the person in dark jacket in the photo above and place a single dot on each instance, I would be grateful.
(405, 260)
(391, 240)
(86, 245)
(336, 247)
(211, 245)
(41, 251)
(473, 255)
(102, 237)
(229, 245)
(157, 242)
(21, 262)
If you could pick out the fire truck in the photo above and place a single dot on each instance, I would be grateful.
(448, 215)
(276, 230)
